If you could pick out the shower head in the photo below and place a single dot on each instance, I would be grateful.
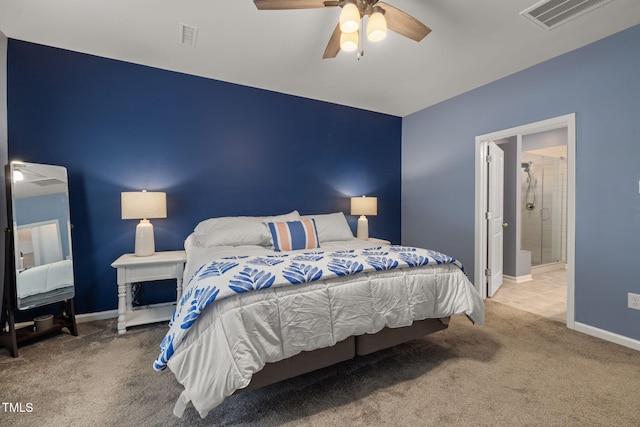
(526, 166)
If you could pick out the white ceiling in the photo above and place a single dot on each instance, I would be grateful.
(473, 42)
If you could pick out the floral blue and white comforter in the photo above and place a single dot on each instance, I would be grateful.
(224, 277)
(307, 300)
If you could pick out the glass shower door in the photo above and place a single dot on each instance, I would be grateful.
(544, 208)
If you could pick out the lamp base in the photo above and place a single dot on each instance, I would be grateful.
(363, 228)
(145, 244)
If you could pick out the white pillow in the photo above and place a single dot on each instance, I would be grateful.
(238, 230)
(331, 227)
(190, 242)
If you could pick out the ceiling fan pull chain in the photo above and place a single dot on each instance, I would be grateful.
(361, 42)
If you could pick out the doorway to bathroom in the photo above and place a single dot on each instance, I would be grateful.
(543, 212)
(538, 259)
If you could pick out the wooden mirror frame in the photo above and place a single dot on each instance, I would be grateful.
(10, 336)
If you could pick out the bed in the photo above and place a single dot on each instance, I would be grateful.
(269, 298)
(49, 282)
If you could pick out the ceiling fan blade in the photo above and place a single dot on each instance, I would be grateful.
(288, 4)
(404, 24)
(333, 47)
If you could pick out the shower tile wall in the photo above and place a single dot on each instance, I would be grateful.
(546, 243)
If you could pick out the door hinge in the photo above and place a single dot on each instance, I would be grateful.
(487, 272)
(487, 215)
(489, 158)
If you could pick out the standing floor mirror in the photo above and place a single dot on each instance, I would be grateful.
(38, 261)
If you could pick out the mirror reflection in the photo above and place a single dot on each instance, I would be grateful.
(42, 234)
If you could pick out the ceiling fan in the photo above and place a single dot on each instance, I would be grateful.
(345, 36)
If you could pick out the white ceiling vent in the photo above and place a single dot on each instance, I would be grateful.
(187, 35)
(548, 14)
(47, 181)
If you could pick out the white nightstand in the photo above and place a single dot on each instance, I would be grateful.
(135, 269)
(378, 241)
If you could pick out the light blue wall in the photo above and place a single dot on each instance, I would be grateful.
(511, 201)
(601, 84)
(546, 139)
(31, 210)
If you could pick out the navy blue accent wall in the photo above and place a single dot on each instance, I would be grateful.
(216, 148)
(600, 83)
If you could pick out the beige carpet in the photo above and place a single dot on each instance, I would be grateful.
(516, 370)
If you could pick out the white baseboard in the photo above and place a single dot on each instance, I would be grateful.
(580, 327)
(518, 279)
(82, 318)
(100, 315)
(607, 336)
(545, 268)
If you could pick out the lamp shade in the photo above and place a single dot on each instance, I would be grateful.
(349, 41)
(376, 26)
(364, 205)
(144, 205)
(349, 18)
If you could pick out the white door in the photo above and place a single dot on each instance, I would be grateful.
(495, 212)
(47, 247)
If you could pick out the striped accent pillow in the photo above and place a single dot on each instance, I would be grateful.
(292, 235)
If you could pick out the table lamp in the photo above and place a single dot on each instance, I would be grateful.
(364, 206)
(144, 205)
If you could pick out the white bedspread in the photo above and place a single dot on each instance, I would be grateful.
(44, 278)
(237, 336)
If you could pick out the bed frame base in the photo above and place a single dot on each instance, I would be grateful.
(361, 345)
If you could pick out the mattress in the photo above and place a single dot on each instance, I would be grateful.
(44, 278)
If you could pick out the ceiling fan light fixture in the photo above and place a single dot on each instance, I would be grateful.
(377, 25)
(349, 18)
(349, 41)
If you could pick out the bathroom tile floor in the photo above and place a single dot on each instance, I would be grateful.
(545, 295)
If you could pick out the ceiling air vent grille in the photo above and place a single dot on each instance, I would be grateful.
(548, 14)
(187, 35)
(47, 181)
